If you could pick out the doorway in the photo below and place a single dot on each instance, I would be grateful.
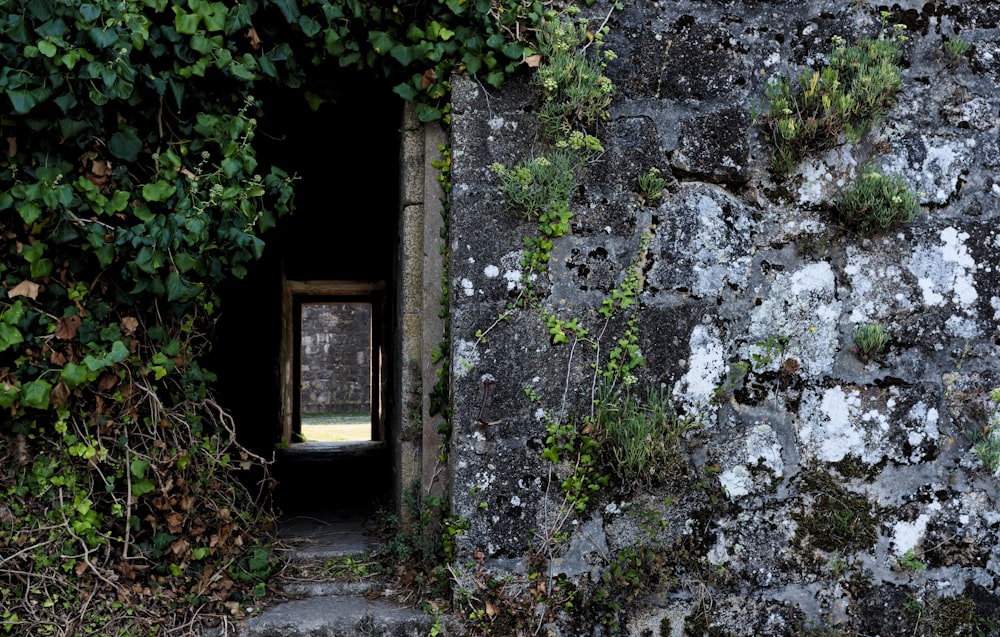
(337, 248)
(332, 360)
(338, 371)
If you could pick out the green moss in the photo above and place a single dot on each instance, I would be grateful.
(833, 518)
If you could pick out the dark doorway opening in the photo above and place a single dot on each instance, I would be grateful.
(345, 155)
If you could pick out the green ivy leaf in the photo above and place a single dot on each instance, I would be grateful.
(9, 336)
(309, 26)
(30, 212)
(179, 290)
(427, 113)
(125, 144)
(158, 191)
(36, 394)
(142, 487)
(186, 23)
(23, 101)
(381, 42)
(118, 352)
(74, 375)
(8, 395)
(138, 468)
(214, 17)
(405, 90)
(46, 48)
(288, 8)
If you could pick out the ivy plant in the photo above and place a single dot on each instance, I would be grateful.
(130, 190)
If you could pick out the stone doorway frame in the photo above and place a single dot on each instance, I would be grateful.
(415, 445)
(415, 329)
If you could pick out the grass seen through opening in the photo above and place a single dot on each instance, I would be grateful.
(336, 427)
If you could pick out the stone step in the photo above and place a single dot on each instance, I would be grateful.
(337, 616)
(321, 607)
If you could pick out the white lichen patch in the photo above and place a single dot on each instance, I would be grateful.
(868, 423)
(936, 176)
(718, 554)
(498, 124)
(876, 280)
(717, 259)
(908, 535)
(925, 429)
(465, 358)
(944, 274)
(828, 431)
(736, 481)
(705, 245)
(706, 368)
(510, 263)
(491, 271)
(803, 308)
(824, 176)
(760, 448)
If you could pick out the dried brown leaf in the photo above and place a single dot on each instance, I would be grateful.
(59, 395)
(66, 327)
(107, 382)
(101, 167)
(129, 325)
(175, 522)
(533, 60)
(429, 77)
(24, 288)
(255, 41)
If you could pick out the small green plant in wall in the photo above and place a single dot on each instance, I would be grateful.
(651, 186)
(575, 91)
(986, 439)
(576, 95)
(843, 98)
(953, 49)
(870, 341)
(874, 202)
(909, 560)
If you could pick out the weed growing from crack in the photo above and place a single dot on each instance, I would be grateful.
(643, 440)
(651, 186)
(575, 91)
(870, 341)
(875, 202)
(909, 560)
(954, 49)
(987, 438)
(844, 98)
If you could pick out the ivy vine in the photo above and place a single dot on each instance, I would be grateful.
(130, 189)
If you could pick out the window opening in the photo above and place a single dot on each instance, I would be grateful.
(335, 372)
(332, 374)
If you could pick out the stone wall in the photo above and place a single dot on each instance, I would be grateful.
(336, 358)
(822, 492)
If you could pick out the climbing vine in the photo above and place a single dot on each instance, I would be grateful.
(130, 190)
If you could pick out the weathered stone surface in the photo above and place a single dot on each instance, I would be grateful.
(751, 291)
(702, 243)
(715, 147)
